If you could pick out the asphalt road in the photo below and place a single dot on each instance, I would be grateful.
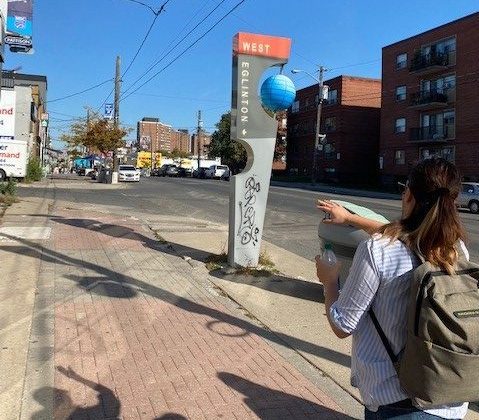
(291, 219)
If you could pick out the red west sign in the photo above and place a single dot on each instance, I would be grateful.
(261, 45)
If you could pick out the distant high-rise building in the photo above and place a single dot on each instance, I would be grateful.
(151, 130)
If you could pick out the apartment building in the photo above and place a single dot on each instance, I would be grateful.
(152, 130)
(350, 119)
(180, 140)
(430, 98)
(204, 144)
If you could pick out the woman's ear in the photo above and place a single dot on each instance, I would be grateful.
(408, 202)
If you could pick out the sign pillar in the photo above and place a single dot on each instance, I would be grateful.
(255, 128)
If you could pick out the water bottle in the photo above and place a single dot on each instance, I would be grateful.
(328, 255)
(330, 258)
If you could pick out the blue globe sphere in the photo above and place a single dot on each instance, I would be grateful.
(277, 92)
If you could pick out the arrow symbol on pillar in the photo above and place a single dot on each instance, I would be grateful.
(244, 132)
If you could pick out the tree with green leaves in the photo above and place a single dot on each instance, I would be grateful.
(231, 152)
(96, 134)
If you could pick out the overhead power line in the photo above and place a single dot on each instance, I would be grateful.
(156, 13)
(187, 48)
(152, 66)
(143, 4)
(79, 93)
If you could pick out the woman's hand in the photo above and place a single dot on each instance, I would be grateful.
(337, 214)
(327, 274)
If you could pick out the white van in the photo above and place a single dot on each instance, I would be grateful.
(216, 171)
(13, 159)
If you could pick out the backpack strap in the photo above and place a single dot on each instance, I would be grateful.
(387, 346)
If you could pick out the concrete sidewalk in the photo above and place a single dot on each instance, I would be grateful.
(102, 320)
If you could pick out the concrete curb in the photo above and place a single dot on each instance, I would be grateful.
(336, 190)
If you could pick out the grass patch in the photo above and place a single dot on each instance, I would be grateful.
(265, 266)
(34, 170)
(160, 238)
(216, 261)
(7, 200)
(8, 193)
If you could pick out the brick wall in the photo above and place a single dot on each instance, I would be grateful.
(466, 70)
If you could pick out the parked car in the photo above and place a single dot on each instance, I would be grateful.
(216, 171)
(128, 173)
(84, 171)
(184, 172)
(155, 172)
(226, 175)
(172, 170)
(201, 174)
(162, 170)
(469, 197)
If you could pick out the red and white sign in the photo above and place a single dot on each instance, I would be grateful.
(261, 45)
(13, 157)
(7, 115)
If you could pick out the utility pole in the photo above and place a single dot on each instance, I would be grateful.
(198, 139)
(116, 117)
(318, 124)
(87, 127)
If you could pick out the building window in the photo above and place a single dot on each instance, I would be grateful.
(295, 107)
(450, 81)
(330, 124)
(400, 125)
(439, 126)
(439, 85)
(440, 152)
(329, 151)
(332, 97)
(442, 47)
(400, 157)
(401, 61)
(401, 93)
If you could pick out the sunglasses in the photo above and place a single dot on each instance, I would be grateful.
(402, 186)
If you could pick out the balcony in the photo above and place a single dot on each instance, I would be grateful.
(431, 62)
(428, 99)
(432, 134)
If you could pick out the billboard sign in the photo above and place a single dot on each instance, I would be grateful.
(7, 115)
(19, 25)
(145, 143)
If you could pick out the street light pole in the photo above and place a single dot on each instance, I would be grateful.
(318, 117)
(116, 117)
(198, 135)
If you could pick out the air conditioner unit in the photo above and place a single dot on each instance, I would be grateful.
(437, 136)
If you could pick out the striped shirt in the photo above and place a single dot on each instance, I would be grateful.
(380, 277)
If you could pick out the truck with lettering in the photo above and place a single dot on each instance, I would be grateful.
(13, 159)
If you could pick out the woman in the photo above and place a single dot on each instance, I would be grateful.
(380, 277)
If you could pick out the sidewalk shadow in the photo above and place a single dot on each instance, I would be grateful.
(182, 302)
(108, 405)
(268, 403)
(113, 230)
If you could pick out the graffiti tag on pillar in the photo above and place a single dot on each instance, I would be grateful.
(248, 228)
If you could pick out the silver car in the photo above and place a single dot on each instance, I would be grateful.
(469, 196)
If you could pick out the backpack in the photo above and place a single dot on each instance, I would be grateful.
(439, 364)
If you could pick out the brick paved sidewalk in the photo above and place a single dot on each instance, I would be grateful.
(140, 335)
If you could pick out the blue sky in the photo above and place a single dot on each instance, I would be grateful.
(76, 43)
